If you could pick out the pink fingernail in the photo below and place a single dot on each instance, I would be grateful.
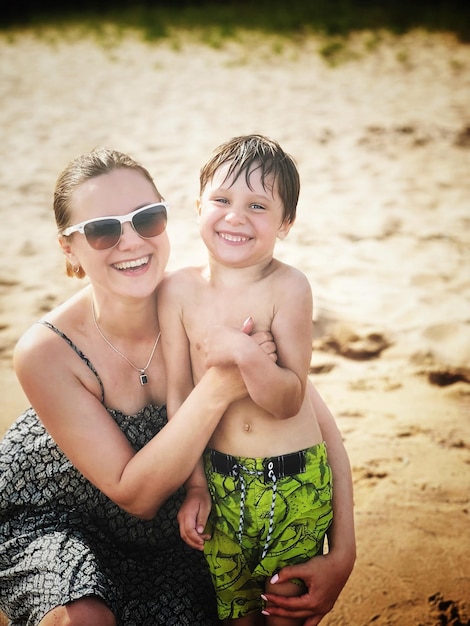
(265, 613)
(263, 597)
(274, 579)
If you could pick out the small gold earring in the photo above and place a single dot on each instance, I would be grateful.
(76, 268)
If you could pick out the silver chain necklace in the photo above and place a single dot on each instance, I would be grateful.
(143, 376)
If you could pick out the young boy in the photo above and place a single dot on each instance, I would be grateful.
(266, 468)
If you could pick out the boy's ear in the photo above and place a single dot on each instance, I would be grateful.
(284, 229)
(198, 206)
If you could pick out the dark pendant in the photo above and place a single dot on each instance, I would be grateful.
(143, 379)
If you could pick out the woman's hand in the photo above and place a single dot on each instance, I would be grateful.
(222, 343)
(234, 385)
(324, 577)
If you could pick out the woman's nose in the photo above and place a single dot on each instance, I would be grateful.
(129, 237)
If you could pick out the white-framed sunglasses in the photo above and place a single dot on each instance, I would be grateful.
(103, 233)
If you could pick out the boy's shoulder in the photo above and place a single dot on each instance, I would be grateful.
(289, 285)
(189, 272)
(289, 272)
(180, 278)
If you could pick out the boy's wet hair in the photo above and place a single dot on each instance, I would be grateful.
(249, 153)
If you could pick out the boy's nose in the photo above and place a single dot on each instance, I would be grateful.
(235, 216)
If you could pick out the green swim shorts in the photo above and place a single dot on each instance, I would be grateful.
(266, 513)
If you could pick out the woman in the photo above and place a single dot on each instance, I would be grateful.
(90, 475)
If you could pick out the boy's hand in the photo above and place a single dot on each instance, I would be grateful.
(263, 338)
(193, 515)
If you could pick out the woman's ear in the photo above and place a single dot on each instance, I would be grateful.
(64, 243)
(72, 264)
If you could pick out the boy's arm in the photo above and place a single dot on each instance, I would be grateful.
(279, 388)
(195, 510)
(175, 345)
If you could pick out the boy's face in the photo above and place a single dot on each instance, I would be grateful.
(239, 223)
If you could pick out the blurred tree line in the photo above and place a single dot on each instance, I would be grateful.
(337, 17)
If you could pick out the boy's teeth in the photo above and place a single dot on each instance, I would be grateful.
(233, 237)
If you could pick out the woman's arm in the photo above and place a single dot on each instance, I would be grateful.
(326, 575)
(59, 388)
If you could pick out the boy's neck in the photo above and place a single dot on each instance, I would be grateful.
(225, 274)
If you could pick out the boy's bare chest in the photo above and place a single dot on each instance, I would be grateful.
(228, 308)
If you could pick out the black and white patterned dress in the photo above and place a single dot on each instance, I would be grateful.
(61, 539)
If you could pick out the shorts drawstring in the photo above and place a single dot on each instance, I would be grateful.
(236, 472)
(273, 477)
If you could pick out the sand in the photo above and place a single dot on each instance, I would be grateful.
(382, 141)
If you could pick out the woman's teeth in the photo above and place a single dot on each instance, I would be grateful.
(126, 265)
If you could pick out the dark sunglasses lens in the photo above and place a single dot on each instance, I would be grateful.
(151, 222)
(103, 234)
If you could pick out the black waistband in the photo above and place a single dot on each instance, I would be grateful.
(273, 468)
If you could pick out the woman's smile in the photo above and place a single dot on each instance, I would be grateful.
(132, 265)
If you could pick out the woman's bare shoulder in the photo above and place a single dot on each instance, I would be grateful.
(39, 342)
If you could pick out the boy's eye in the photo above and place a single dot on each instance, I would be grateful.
(257, 207)
(221, 200)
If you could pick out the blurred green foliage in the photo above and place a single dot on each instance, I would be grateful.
(291, 18)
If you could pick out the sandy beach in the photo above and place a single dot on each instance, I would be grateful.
(382, 141)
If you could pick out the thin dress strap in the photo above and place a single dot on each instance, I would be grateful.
(85, 359)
